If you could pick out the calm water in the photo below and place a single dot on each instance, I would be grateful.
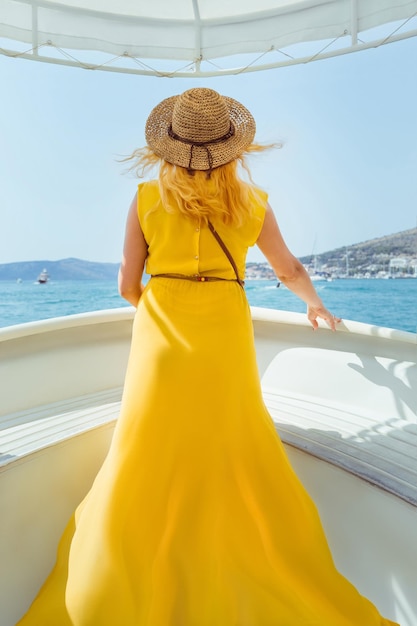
(390, 303)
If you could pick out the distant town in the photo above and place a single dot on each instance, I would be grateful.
(397, 267)
(392, 256)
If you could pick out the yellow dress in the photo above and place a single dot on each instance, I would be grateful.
(196, 517)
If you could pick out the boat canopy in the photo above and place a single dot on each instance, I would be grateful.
(198, 37)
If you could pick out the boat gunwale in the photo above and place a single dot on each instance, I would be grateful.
(259, 314)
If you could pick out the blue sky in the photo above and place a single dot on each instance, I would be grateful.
(347, 171)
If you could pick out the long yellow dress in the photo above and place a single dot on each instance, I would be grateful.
(196, 517)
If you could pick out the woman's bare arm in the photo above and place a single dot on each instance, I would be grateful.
(291, 271)
(135, 251)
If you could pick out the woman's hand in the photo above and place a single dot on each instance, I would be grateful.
(320, 311)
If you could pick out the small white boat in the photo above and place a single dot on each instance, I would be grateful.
(43, 277)
(320, 277)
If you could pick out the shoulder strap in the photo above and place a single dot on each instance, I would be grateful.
(226, 251)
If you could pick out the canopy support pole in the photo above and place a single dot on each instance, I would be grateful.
(197, 55)
(354, 21)
(35, 41)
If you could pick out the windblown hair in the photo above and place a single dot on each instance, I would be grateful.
(198, 195)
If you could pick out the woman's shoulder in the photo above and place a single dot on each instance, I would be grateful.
(148, 193)
(149, 199)
(252, 225)
(259, 202)
(258, 196)
(149, 186)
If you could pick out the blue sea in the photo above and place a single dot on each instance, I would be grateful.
(389, 303)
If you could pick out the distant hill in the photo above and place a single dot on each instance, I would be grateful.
(375, 253)
(65, 269)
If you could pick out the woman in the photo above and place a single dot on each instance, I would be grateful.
(196, 517)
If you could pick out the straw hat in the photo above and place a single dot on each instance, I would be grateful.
(199, 129)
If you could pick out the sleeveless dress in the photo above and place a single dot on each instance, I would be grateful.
(196, 517)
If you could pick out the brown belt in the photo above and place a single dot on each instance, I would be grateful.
(195, 278)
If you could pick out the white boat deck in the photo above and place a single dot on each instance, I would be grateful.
(384, 454)
(27, 432)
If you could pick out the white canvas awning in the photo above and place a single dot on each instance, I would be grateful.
(195, 37)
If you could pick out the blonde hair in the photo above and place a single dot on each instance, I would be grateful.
(200, 195)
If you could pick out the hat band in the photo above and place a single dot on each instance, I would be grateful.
(202, 144)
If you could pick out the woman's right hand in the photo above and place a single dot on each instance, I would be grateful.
(320, 311)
